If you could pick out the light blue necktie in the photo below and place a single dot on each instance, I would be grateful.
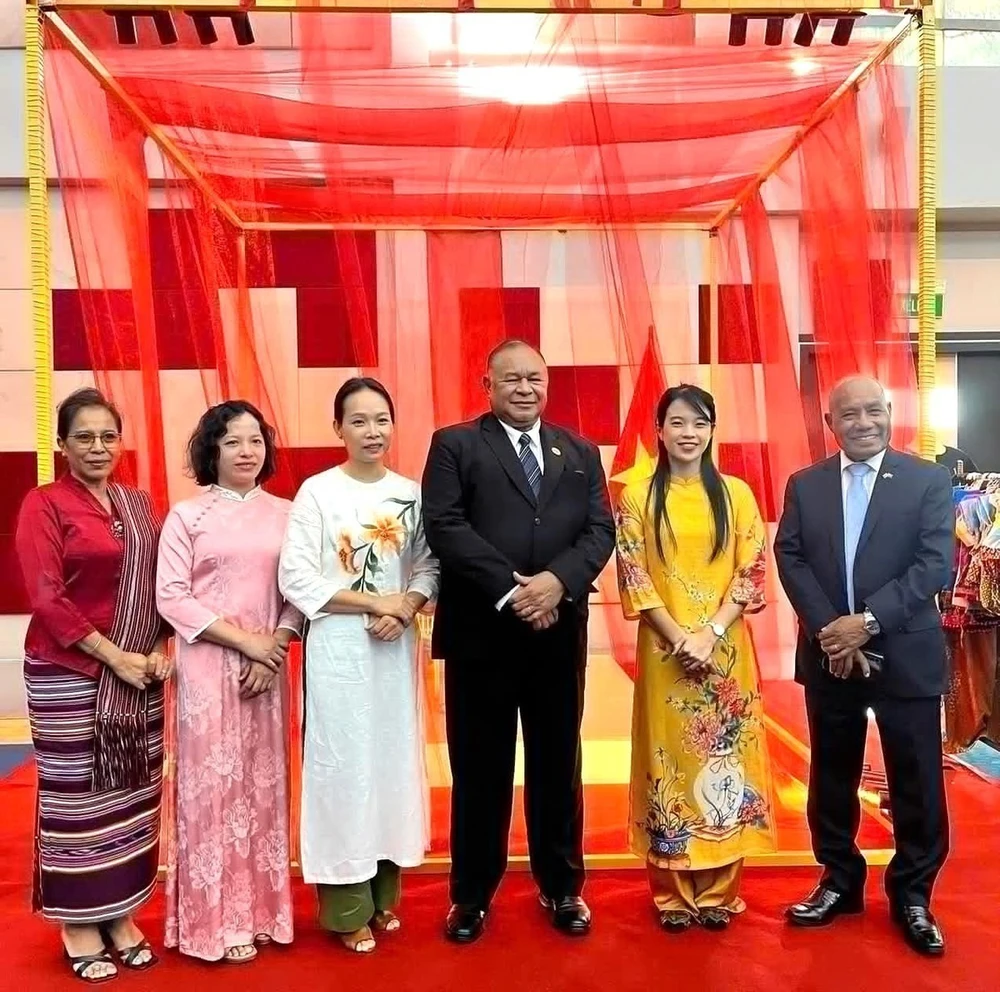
(855, 509)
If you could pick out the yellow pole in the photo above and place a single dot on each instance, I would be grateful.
(38, 227)
(927, 101)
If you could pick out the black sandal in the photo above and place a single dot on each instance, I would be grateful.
(127, 956)
(715, 919)
(675, 920)
(82, 962)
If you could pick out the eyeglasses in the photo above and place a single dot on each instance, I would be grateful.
(86, 439)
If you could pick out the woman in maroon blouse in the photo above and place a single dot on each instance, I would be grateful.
(94, 667)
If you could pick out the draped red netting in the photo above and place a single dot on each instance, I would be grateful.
(393, 194)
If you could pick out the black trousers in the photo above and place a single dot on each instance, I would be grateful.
(910, 731)
(542, 678)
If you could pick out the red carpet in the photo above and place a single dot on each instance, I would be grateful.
(626, 951)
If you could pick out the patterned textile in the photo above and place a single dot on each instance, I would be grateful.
(120, 728)
(96, 852)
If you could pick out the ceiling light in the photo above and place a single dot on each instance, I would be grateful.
(522, 84)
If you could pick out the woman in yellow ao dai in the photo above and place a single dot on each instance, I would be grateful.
(700, 784)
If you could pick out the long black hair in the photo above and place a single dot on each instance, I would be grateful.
(703, 404)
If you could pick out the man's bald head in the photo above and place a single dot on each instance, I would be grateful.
(860, 416)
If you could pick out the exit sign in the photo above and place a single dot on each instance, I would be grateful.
(909, 306)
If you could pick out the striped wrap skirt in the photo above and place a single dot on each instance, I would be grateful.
(96, 853)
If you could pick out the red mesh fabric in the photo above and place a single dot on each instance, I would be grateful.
(501, 175)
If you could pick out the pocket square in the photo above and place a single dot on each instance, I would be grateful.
(887, 475)
(578, 471)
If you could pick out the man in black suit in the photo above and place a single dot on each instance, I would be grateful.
(865, 543)
(517, 512)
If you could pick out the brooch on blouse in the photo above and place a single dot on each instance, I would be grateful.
(117, 529)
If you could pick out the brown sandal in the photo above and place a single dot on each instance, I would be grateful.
(386, 921)
(360, 941)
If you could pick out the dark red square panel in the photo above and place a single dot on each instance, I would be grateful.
(749, 462)
(585, 398)
(184, 338)
(19, 472)
(323, 258)
(13, 598)
(108, 313)
(174, 257)
(295, 465)
(335, 331)
(739, 341)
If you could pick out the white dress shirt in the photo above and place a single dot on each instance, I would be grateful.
(535, 443)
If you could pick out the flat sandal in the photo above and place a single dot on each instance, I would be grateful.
(81, 962)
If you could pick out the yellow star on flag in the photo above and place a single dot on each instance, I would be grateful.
(642, 468)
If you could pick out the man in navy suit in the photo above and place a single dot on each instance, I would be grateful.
(865, 544)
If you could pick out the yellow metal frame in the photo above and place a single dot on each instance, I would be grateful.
(753, 7)
(922, 12)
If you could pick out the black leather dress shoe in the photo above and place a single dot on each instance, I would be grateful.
(920, 930)
(570, 914)
(822, 906)
(464, 923)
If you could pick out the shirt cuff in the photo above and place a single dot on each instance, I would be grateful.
(201, 630)
(501, 603)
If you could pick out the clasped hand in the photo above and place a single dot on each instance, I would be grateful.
(139, 670)
(394, 614)
(694, 651)
(536, 599)
(842, 641)
(264, 654)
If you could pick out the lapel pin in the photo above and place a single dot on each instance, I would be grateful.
(556, 451)
(887, 475)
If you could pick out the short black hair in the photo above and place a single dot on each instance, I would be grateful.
(79, 400)
(203, 448)
(356, 385)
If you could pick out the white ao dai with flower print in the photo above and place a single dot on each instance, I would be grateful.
(364, 790)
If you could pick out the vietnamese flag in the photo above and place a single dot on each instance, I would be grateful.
(635, 459)
(635, 456)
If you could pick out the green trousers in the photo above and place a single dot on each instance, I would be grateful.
(346, 908)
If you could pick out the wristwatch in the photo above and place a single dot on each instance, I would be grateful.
(872, 626)
(718, 630)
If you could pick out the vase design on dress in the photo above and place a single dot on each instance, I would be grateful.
(722, 721)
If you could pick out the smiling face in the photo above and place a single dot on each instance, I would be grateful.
(241, 453)
(366, 429)
(518, 385)
(92, 445)
(685, 432)
(860, 418)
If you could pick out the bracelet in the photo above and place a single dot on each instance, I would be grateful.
(96, 648)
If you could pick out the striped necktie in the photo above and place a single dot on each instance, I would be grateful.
(530, 464)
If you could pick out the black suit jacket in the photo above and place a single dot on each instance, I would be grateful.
(483, 523)
(905, 558)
